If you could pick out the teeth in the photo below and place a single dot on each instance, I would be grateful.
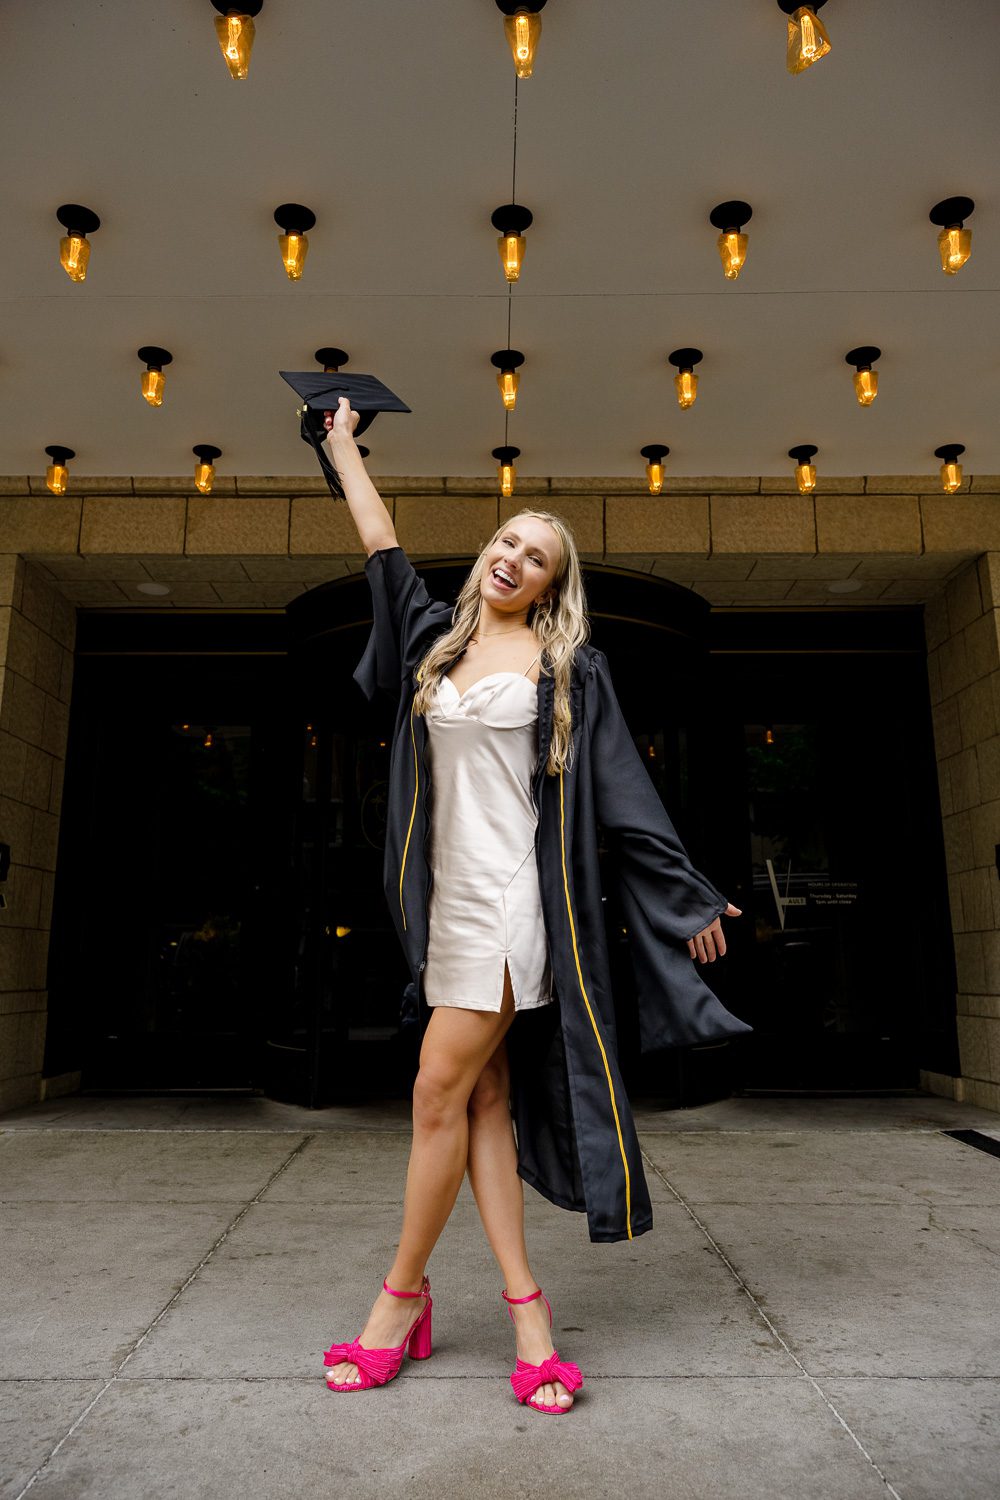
(500, 574)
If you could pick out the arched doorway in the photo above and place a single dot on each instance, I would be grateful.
(341, 1032)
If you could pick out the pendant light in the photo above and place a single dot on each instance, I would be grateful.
(506, 472)
(805, 469)
(296, 221)
(954, 241)
(234, 26)
(74, 247)
(807, 39)
(204, 469)
(685, 381)
(56, 474)
(951, 469)
(522, 27)
(654, 454)
(511, 220)
(865, 378)
(508, 361)
(153, 379)
(728, 219)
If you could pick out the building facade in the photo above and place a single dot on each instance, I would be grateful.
(856, 629)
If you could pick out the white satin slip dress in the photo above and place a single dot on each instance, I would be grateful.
(485, 905)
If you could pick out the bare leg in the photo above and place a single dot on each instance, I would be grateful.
(499, 1194)
(456, 1045)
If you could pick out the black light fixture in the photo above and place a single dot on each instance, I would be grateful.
(654, 454)
(153, 379)
(685, 381)
(295, 220)
(954, 241)
(74, 247)
(332, 360)
(522, 28)
(729, 218)
(806, 40)
(805, 469)
(506, 472)
(865, 378)
(204, 469)
(511, 219)
(951, 469)
(508, 362)
(234, 26)
(56, 474)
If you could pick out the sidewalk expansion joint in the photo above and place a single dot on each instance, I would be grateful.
(137, 1343)
(758, 1309)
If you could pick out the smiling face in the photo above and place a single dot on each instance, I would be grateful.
(520, 566)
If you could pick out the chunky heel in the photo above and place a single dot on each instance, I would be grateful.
(379, 1366)
(420, 1338)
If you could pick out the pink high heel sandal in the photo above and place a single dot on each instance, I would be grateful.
(379, 1366)
(527, 1378)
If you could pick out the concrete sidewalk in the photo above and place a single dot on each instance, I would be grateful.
(814, 1314)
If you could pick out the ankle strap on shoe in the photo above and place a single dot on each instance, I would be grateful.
(423, 1292)
(531, 1298)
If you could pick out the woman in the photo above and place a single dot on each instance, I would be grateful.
(506, 710)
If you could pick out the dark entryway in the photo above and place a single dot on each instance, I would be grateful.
(219, 917)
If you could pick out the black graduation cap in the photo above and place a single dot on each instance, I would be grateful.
(320, 391)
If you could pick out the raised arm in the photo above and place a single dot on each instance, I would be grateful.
(371, 517)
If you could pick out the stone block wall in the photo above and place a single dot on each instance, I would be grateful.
(37, 628)
(963, 642)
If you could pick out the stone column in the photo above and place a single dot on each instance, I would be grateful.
(37, 630)
(963, 643)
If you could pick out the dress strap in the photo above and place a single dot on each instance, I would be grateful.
(531, 664)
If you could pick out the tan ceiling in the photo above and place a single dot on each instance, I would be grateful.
(392, 120)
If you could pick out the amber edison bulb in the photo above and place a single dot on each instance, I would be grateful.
(951, 478)
(865, 386)
(153, 382)
(654, 473)
(508, 381)
(807, 40)
(506, 475)
(686, 385)
(57, 478)
(732, 245)
(236, 34)
(955, 245)
(511, 247)
(204, 477)
(522, 31)
(294, 249)
(805, 478)
(74, 253)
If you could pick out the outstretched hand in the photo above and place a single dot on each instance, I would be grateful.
(342, 422)
(710, 940)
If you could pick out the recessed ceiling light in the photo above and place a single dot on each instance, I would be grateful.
(152, 588)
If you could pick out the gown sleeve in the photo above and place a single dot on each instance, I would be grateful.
(661, 890)
(404, 621)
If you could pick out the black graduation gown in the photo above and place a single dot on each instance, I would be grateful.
(576, 1137)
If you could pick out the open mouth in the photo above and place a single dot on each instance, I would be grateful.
(502, 581)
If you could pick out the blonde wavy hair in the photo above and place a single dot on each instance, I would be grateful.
(560, 624)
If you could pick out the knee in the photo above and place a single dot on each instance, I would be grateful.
(490, 1092)
(437, 1100)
